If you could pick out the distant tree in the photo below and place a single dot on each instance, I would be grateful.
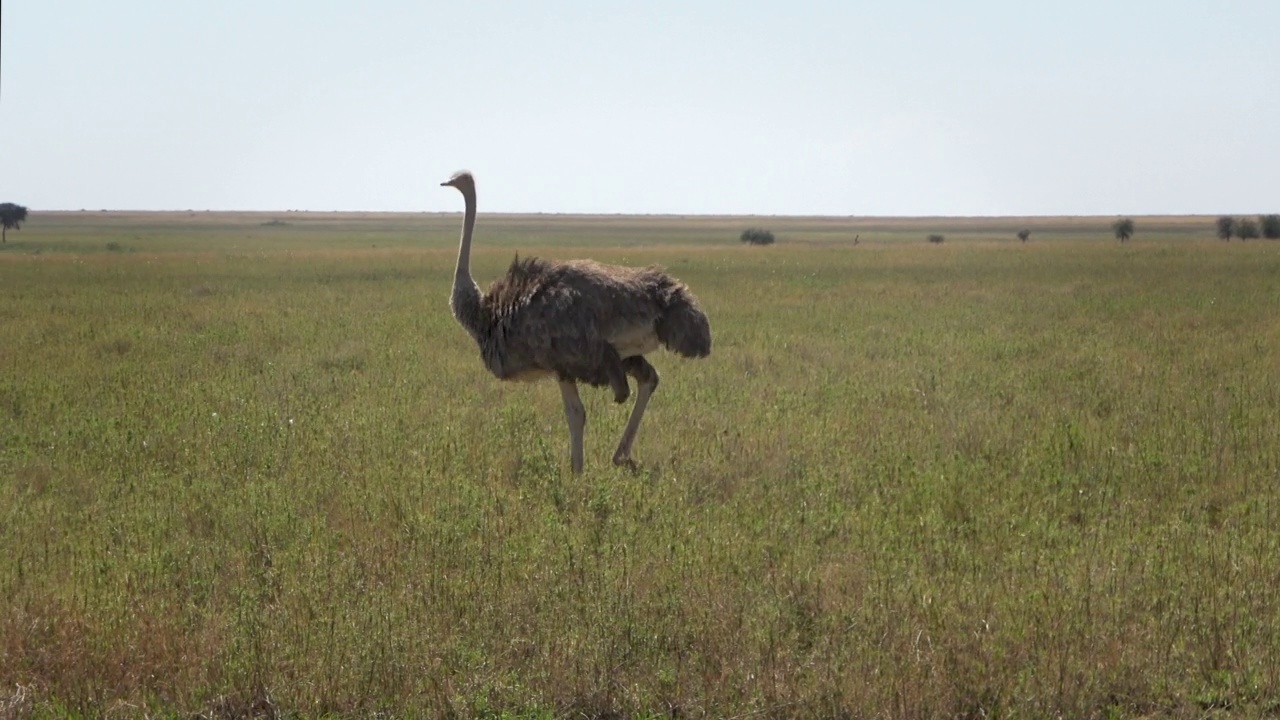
(756, 236)
(12, 216)
(1123, 228)
(1023, 234)
(1247, 229)
(1270, 226)
(936, 238)
(1226, 227)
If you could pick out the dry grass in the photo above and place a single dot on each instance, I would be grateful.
(256, 470)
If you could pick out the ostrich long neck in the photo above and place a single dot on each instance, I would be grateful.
(465, 300)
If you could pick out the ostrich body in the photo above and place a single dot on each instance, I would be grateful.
(576, 321)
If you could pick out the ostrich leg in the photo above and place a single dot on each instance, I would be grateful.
(576, 415)
(646, 382)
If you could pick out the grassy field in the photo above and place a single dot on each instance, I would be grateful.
(250, 466)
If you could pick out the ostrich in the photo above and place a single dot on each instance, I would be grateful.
(576, 321)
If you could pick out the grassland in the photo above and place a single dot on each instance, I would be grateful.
(250, 466)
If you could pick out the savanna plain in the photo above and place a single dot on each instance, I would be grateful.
(251, 467)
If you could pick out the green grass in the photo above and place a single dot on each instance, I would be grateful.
(252, 468)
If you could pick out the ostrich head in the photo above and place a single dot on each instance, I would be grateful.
(461, 180)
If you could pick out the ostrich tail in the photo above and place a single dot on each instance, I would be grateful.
(684, 328)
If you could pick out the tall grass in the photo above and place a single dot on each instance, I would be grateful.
(984, 478)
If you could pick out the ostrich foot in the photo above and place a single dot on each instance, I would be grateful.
(623, 461)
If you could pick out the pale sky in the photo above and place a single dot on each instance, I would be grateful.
(894, 107)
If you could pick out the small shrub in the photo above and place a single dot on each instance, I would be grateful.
(756, 236)
(935, 238)
(1123, 228)
(1270, 226)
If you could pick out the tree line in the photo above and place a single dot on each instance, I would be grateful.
(1267, 226)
